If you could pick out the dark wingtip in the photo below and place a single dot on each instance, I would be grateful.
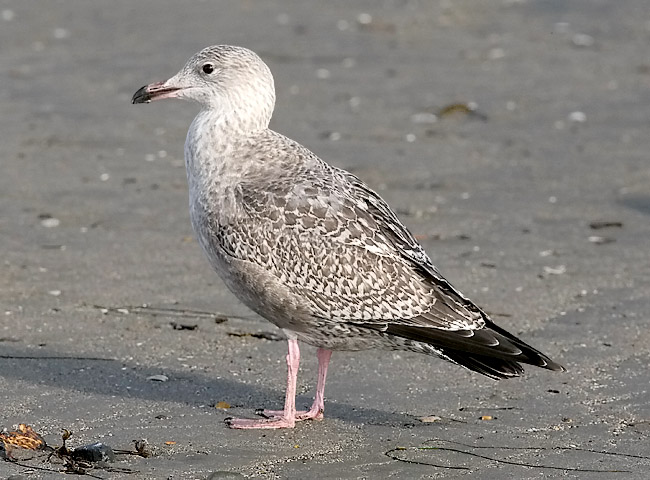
(500, 368)
(556, 367)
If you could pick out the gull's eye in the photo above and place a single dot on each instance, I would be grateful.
(208, 68)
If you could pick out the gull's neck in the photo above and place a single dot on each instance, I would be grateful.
(214, 160)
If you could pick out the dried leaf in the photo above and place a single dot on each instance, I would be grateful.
(170, 443)
(222, 405)
(25, 437)
(468, 109)
(487, 417)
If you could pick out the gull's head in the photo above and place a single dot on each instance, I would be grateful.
(233, 82)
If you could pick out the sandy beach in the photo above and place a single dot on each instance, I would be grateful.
(511, 137)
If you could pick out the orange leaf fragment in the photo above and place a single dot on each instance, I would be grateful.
(25, 437)
(222, 405)
(170, 443)
(487, 417)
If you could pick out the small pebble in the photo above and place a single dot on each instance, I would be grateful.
(61, 33)
(583, 40)
(343, 25)
(430, 419)
(158, 378)
(282, 19)
(496, 53)
(54, 293)
(577, 117)
(354, 102)
(8, 15)
(598, 240)
(50, 222)
(557, 270)
(562, 27)
(323, 73)
(364, 19)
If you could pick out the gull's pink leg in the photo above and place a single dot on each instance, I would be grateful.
(316, 410)
(288, 417)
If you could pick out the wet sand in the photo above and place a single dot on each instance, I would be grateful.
(536, 205)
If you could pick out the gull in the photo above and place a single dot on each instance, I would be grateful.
(311, 247)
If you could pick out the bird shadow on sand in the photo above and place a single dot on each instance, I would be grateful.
(114, 378)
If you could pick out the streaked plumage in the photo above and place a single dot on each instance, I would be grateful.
(309, 246)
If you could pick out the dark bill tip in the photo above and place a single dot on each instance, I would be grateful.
(152, 92)
(141, 96)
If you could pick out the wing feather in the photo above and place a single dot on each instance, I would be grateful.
(336, 245)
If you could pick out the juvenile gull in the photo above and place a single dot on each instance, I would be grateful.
(310, 247)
